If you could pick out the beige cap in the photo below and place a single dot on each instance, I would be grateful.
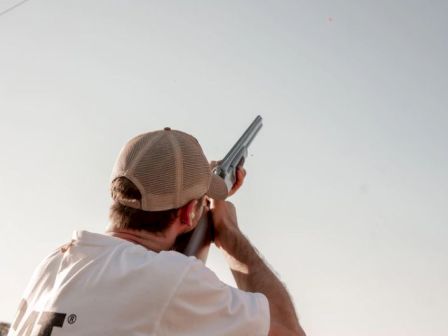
(169, 169)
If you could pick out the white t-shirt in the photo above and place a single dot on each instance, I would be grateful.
(103, 285)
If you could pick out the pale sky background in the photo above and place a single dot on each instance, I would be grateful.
(347, 190)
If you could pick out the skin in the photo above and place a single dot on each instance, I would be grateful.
(249, 270)
(186, 220)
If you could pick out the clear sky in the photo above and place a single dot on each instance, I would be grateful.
(347, 190)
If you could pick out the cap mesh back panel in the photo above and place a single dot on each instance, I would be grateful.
(157, 171)
(128, 154)
(168, 167)
(195, 166)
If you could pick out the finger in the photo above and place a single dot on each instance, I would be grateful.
(215, 203)
(213, 164)
(238, 182)
(211, 203)
(231, 206)
(241, 173)
(207, 203)
(240, 176)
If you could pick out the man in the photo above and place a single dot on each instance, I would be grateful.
(129, 281)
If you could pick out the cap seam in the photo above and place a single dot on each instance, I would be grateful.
(140, 187)
(179, 167)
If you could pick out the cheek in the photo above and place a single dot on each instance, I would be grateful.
(199, 213)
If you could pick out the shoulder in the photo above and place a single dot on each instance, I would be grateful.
(195, 274)
(209, 306)
(175, 261)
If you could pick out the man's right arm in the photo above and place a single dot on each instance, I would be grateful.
(250, 271)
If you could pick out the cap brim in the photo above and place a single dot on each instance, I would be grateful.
(218, 189)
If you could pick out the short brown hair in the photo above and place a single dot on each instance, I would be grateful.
(124, 217)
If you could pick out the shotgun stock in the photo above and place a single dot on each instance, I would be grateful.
(197, 242)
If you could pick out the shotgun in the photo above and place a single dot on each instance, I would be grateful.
(197, 242)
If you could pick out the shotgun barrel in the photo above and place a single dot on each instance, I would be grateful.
(197, 242)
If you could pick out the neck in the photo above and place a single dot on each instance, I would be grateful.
(152, 241)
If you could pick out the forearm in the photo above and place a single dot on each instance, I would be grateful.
(252, 274)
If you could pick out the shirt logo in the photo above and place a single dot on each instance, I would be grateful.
(43, 322)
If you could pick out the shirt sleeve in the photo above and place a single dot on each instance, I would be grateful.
(204, 305)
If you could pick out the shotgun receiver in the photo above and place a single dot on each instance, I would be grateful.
(197, 242)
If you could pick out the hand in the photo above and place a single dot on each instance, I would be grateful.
(224, 221)
(240, 176)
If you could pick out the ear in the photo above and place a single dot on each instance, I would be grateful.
(188, 212)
